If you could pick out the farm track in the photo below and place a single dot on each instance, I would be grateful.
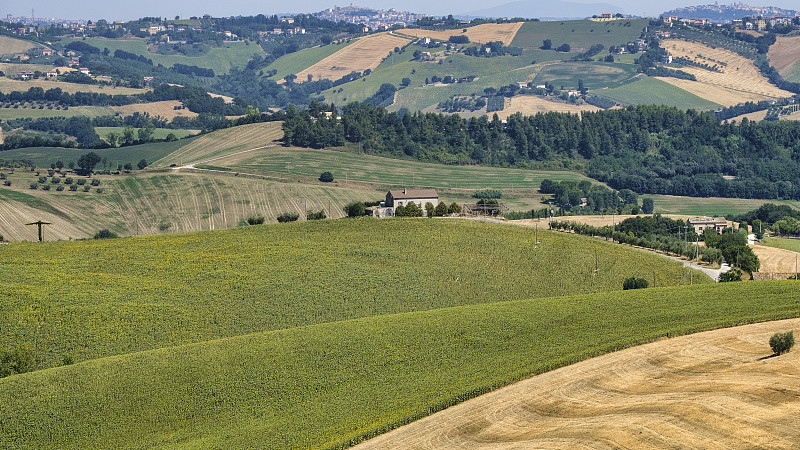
(716, 389)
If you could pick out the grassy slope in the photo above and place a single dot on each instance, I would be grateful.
(159, 133)
(579, 34)
(11, 46)
(646, 90)
(297, 61)
(334, 384)
(143, 293)
(376, 169)
(219, 59)
(711, 206)
(8, 85)
(595, 75)
(43, 156)
(784, 243)
(35, 113)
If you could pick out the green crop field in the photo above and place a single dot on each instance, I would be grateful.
(36, 113)
(579, 34)
(792, 244)
(646, 90)
(595, 75)
(44, 156)
(158, 133)
(219, 59)
(389, 171)
(297, 61)
(334, 384)
(712, 206)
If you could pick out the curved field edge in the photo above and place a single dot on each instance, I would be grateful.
(89, 299)
(336, 384)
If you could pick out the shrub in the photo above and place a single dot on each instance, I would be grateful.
(73, 188)
(81, 181)
(6, 183)
(42, 180)
(86, 188)
(255, 220)
(59, 188)
(68, 180)
(288, 217)
(46, 187)
(355, 209)
(781, 343)
(310, 215)
(731, 275)
(95, 182)
(634, 283)
(17, 360)
(34, 186)
(99, 190)
(104, 234)
(326, 177)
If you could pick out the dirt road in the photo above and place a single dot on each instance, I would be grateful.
(717, 389)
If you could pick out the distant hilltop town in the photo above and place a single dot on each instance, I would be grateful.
(375, 19)
(33, 20)
(728, 13)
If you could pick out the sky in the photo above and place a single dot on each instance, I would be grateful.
(128, 10)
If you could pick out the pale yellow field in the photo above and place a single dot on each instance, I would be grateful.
(12, 69)
(758, 115)
(12, 46)
(737, 81)
(784, 53)
(775, 260)
(487, 32)
(365, 53)
(9, 85)
(529, 105)
(717, 389)
(225, 142)
(164, 109)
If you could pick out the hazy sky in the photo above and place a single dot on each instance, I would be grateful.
(127, 10)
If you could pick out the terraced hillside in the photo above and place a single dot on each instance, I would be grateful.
(735, 80)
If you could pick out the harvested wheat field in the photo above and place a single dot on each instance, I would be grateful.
(784, 53)
(735, 80)
(776, 260)
(365, 53)
(487, 32)
(11, 46)
(529, 105)
(717, 389)
(8, 85)
(165, 109)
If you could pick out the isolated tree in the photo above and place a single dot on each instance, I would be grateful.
(647, 205)
(355, 209)
(288, 217)
(547, 44)
(405, 82)
(781, 343)
(255, 219)
(128, 166)
(104, 234)
(87, 162)
(326, 177)
(142, 164)
(634, 283)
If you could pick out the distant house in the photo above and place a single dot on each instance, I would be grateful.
(84, 70)
(606, 15)
(702, 223)
(395, 198)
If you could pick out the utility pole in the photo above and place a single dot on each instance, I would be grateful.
(39, 223)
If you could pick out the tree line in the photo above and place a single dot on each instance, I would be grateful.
(648, 149)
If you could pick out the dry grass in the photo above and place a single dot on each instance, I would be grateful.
(708, 390)
(9, 85)
(784, 53)
(165, 109)
(775, 260)
(11, 46)
(738, 79)
(529, 105)
(487, 32)
(757, 116)
(365, 53)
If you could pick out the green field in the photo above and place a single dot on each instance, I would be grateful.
(298, 61)
(712, 206)
(398, 172)
(44, 156)
(159, 133)
(36, 113)
(579, 34)
(595, 75)
(792, 244)
(149, 292)
(330, 385)
(792, 73)
(220, 59)
(646, 91)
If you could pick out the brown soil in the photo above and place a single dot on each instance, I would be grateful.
(717, 389)
(784, 53)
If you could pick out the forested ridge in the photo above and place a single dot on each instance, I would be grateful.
(647, 149)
